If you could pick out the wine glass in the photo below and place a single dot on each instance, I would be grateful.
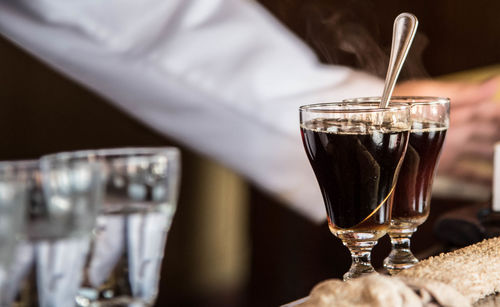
(429, 123)
(140, 197)
(356, 150)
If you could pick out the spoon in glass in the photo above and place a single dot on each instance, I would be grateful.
(404, 29)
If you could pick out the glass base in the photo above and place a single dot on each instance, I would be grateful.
(358, 270)
(401, 257)
(124, 301)
(399, 260)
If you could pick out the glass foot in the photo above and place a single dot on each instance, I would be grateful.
(401, 256)
(358, 270)
(399, 260)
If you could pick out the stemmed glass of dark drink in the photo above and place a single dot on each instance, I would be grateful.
(430, 121)
(356, 150)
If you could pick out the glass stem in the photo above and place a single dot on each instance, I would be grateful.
(401, 241)
(361, 258)
(401, 256)
(361, 255)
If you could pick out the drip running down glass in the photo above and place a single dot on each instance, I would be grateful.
(356, 150)
(430, 121)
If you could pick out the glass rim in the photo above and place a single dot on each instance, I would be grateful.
(169, 151)
(326, 107)
(420, 100)
(24, 165)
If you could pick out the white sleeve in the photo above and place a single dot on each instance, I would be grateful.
(219, 76)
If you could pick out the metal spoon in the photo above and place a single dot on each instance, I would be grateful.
(405, 27)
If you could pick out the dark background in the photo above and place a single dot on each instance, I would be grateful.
(454, 35)
(43, 112)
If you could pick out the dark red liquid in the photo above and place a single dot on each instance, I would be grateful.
(411, 200)
(356, 173)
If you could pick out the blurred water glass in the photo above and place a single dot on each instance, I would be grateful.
(12, 204)
(61, 198)
(140, 198)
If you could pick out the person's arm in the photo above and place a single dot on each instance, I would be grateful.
(221, 77)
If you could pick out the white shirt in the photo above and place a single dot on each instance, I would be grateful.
(222, 77)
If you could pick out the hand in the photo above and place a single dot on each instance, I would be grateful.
(474, 125)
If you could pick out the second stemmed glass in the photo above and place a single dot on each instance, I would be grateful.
(430, 121)
(356, 150)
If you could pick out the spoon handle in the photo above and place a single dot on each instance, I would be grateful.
(405, 27)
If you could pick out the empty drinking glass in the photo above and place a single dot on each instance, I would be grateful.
(123, 268)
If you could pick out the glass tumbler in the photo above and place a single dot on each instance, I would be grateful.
(12, 205)
(60, 200)
(123, 268)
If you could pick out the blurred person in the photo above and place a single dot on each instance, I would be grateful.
(225, 78)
